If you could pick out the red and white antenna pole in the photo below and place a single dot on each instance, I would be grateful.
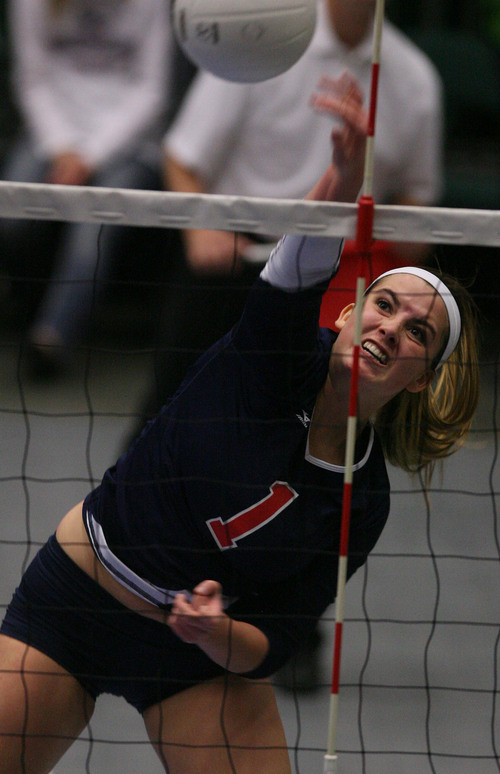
(364, 229)
(364, 236)
(330, 760)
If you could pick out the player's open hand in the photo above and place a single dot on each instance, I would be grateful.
(196, 618)
(342, 98)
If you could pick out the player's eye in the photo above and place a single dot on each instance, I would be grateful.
(418, 333)
(383, 304)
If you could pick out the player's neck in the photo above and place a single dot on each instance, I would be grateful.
(328, 431)
(351, 20)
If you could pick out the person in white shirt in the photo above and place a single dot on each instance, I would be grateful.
(91, 83)
(244, 146)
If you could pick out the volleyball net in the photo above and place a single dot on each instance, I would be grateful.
(420, 667)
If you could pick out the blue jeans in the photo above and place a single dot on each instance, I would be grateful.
(84, 254)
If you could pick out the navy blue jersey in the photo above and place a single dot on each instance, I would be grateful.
(220, 484)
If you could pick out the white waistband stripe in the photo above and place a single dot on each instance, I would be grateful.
(128, 578)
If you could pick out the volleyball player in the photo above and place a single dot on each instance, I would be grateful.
(191, 574)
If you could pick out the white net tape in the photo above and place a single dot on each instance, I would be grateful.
(245, 214)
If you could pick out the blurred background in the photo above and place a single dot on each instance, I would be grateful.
(462, 38)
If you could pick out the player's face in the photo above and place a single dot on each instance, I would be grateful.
(404, 325)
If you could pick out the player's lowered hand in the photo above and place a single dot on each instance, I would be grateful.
(195, 619)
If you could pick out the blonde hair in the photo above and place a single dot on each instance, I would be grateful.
(417, 429)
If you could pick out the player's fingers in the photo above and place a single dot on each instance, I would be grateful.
(208, 588)
(181, 606)
(345, 85)
(348, 111)
(183, 629)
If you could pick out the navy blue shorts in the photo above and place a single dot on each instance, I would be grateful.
(62, 612)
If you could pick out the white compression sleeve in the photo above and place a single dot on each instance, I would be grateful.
(299, 262)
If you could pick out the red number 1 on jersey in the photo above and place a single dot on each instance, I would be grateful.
(227, 534)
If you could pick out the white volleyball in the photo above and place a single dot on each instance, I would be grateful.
(244, 40)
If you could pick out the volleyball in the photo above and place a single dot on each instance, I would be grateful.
(244, 40)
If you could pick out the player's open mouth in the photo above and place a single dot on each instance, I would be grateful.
(376, 352)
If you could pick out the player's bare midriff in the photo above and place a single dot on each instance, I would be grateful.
(73, 539)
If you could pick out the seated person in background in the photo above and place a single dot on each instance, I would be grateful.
(92, 84)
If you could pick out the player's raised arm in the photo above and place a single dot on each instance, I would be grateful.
(299, 261)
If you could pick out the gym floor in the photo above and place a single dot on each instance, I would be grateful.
(421, 661)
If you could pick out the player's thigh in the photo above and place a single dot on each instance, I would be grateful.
(222, 725)
(42, 709)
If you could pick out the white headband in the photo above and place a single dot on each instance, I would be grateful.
(451, 305)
